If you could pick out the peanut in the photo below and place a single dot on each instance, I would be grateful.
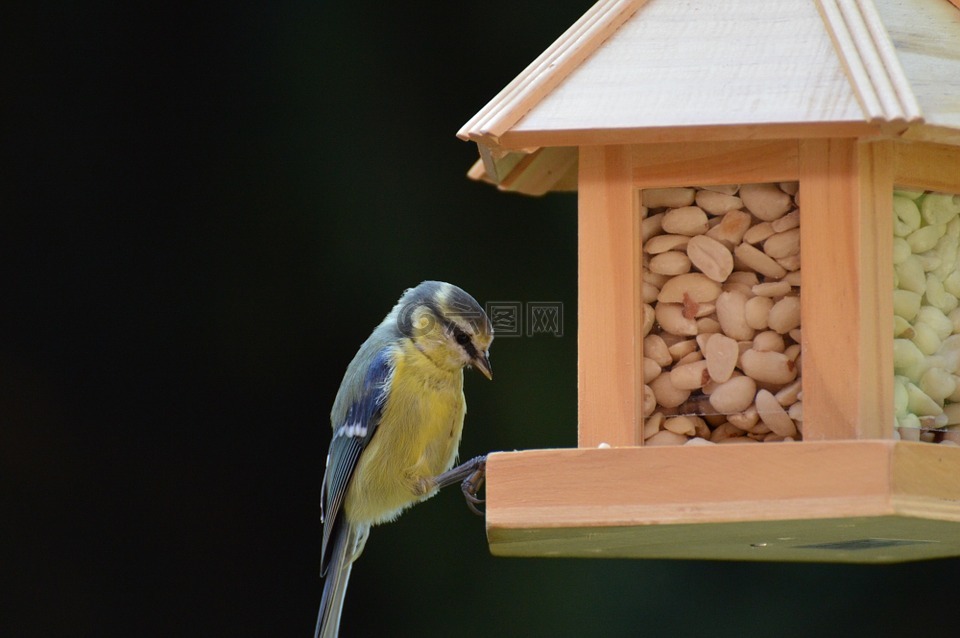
(690, 376)
(656, 348)
(649, 316)
(649, 292)
(651, 425)
(748, 279)
(652, 226)
(788, 221)
(772, 289)
(785, 315)
(768, 366)
(790, 188)
(737, 440)
(690, 358)
(789, 394)
(711, 257)
(721, 354)
(746, 420)
(785, 244)
(666, 394)
(649, 402)
(759, 233)
(651, 369)
(768, 341)
(759, 261)
(773, 414)
(726, 189)
(672, 262)
(757, 312)
(734, 395)
(725, 431)
(689, 220)
(663, 243)
(795, 412)
(731, 228)
(731, 313)
(681, 349)
(717, 203)
(686, 425)
(671, 318)
(666, 437)
(766, 201)
(690, 286)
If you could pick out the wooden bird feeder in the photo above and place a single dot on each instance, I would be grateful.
(754, 382)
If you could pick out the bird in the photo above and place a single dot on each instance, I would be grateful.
(397, 421)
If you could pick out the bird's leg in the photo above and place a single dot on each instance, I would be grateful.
(470, 475)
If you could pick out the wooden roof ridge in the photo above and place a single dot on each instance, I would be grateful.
(871, 62)
(548, 70)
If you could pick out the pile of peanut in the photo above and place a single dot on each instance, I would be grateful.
(926, 345)
(721, 330)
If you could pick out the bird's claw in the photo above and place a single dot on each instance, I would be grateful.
(472, 484)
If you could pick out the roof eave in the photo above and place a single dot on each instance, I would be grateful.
(548, 70)
(516, 140)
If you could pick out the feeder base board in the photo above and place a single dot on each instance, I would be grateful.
(828, 501)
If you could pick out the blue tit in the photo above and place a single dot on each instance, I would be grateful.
(397, 421)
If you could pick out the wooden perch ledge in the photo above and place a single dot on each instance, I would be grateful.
(836, 501)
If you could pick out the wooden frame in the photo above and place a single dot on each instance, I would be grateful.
(845, 308)
(837, 496)
(841, 281)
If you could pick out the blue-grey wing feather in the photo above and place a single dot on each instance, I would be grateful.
(350, 438)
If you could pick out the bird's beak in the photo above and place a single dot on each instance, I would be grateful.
(482, 363)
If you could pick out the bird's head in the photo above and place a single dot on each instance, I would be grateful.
(447, 325)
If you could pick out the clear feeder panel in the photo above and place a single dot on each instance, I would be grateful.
(721, 330)
(926, 344)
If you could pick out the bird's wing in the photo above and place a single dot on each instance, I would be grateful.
(349, 440)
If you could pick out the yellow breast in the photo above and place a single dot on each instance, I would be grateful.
(417, 439)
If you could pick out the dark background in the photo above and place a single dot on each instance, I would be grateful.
(206, 208)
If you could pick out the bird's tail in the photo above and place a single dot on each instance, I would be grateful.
(335, 584)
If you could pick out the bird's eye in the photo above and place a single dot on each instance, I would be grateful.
(462, 337)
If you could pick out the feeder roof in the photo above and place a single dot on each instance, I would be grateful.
(634, 71)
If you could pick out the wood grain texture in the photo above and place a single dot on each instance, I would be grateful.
(609, 347)
(745, 502)
(931, 133)
(876, 297)
(832, 314)
(928, 166)
(730, 162)
(926, 472)
(685, 64)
